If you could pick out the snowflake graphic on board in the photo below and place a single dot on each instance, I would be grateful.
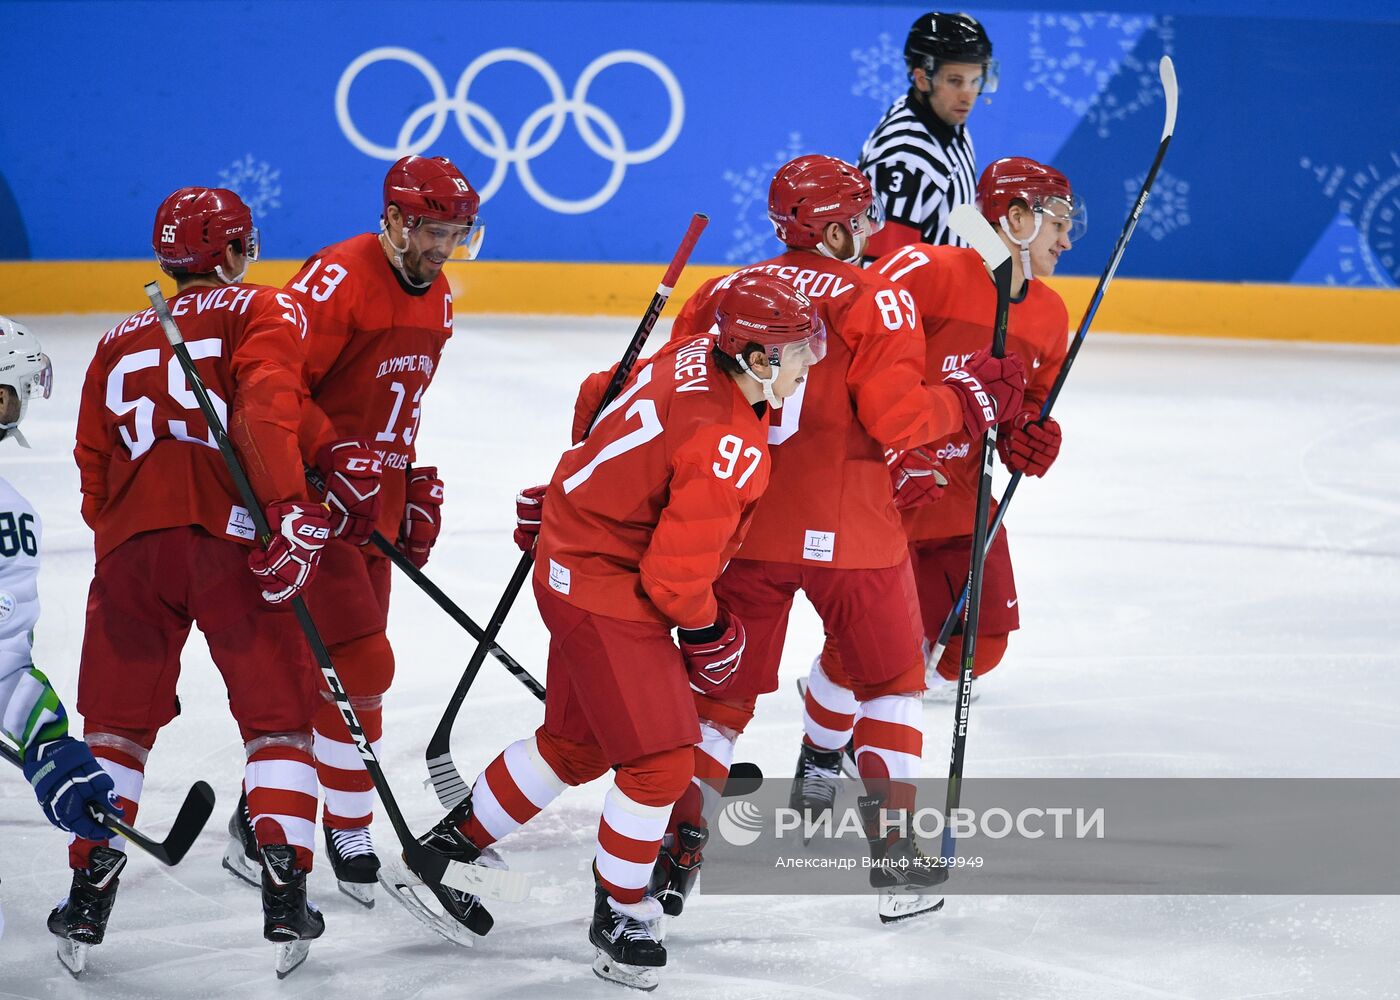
(255, 182)
(1075, 59)
(753, 232)
(1168, 205)
(881, 74)
(1368, 199)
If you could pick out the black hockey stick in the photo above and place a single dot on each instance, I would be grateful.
(194, 812)
(447, 782)
(977, 232)
(427, 865)
(442, 600)
(1169, 91)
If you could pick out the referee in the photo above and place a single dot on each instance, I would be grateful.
(919, 158)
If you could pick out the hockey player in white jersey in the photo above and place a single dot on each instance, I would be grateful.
(62, 770)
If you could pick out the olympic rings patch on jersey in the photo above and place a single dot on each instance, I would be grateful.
(537, 134)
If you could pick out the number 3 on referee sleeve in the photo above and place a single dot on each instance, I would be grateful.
(731, 446)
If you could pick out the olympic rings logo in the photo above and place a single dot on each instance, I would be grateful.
(540, 130)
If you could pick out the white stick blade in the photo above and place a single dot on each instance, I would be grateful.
(167, 322)
(1168, 73)
(977, 232)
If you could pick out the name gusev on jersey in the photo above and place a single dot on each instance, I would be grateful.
(373, 346)
(642, 515)
(145, 454)
(957, 304)
(830, 501)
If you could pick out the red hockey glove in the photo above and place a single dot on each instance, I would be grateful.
(916, 476)
(712, 654)
(1029, 445)
(991, 389)
(288, 563)
(529, 506)
(352, 472)
(422, 515)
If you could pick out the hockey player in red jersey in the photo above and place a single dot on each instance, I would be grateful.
(1038, 217)
(636, 524)
(174, 547)
(379, 311)
(828, 525)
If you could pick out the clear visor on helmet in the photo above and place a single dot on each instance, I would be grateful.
(35, 380)
(461, 242)
(1072, 213)
(869, 222)
(252, 242)
(800, 353)
(983, 83)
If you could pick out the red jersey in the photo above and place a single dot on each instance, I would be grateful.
(830, 502)
(372, 347)
(957, 305)
(641, 517)
(146, 456)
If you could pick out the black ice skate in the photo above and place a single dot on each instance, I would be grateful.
(80, 921)
(628, 950)
(677, 867)
(814, 785)
(356, 866)
(461, 911)
(241, 857)
(289, 920)
(902, 872)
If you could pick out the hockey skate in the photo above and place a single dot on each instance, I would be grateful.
(356, 866)
(80, 921)
(628, 950)
(241, 857)
(678, 867)
(902, 872)
(451, 913)
(814, 785)
(289, 920)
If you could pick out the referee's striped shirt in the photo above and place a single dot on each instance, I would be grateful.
(921, 169)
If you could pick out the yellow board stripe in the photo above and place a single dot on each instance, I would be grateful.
(1132, 305)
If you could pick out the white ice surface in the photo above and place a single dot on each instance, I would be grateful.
(1209, 579)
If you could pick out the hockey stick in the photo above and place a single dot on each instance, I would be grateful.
(446, 603)
(427, 865)
(194, 812)
(967, 222)
(1168, 74)
(447, 782)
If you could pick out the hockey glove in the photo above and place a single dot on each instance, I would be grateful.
(712, 654)
(352, 472)
(422, 515)
(529, 506)
(67, 780)
(916, 476)
(1029, 445)
(288, 563)
(991, 389)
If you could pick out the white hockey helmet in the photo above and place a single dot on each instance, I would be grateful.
(25, 371)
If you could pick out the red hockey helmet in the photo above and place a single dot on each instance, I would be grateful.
(432, 188)
(1044, 190)
(767, 310)
(196, 224)
(811, 191)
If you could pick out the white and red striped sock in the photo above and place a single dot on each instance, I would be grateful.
(828, 711)
(124, 760)
(889, 744)
(510, 792)
(714, 755)
(280, 779)
(629, 836)
(349, 790)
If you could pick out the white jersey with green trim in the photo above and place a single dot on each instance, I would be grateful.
(20, 534)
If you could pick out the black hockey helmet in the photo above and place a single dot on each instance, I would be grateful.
(959, 38)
